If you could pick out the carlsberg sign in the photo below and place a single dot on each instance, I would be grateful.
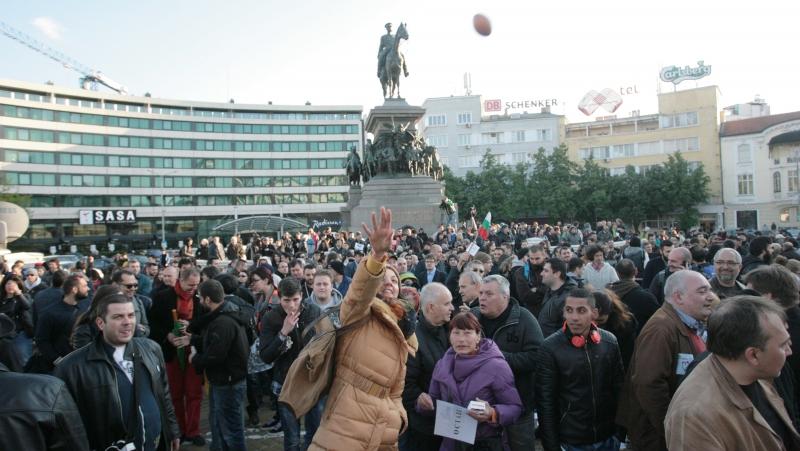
(675, 74)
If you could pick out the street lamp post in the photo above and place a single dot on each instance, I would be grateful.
(163, 207)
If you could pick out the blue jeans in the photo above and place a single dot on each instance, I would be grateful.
(226, 416)
(609, 444)
(291, 426)
(24, 346)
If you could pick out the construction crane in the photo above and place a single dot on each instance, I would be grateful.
(90, 77)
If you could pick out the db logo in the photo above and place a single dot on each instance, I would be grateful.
(492, 105)
(608, 99)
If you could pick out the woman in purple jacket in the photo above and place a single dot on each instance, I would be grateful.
(474, 369)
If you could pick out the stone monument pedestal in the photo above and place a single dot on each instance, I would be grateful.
(413, 200)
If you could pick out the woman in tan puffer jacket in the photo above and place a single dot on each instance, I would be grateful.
(364, 410)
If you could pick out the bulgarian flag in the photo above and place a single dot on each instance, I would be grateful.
(485, 225)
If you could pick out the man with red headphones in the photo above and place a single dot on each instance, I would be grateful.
(579, 376)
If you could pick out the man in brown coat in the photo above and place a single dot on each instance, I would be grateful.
(728, 402)
(668, 343)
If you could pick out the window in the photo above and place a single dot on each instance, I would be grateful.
(622, 150)
(465, 139)
(519, 157)
(491, 138)
(544, 134)
(464, 118)
(468, 161)
(518, 136)
(776, 182)
(745, 182)
(793, 181)
(743, 153)
(600, 152)
(680, 145)
(649, 148)
(679, 120)
(436, 120)
(747, 219)
(617, 171)
(437, 140)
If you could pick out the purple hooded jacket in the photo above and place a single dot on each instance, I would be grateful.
(485, 375)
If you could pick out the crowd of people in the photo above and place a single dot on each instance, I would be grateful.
(582, 337)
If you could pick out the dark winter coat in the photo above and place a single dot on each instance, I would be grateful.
(278, 352)
(641, 303)
(225, 349)
(519, 338)
(577, 390)
(433, 343)
(551, 318)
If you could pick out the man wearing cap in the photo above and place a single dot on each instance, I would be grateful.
(340, 281)
(33, 283)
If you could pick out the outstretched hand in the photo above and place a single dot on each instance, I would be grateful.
(380, 235)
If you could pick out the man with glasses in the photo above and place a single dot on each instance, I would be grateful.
(145, 283)
(126, 281)
(33, 283)
(727, 265)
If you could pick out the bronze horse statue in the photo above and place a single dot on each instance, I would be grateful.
(394, 62)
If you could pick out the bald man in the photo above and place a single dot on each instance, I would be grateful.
(679, 258)
(668, 343)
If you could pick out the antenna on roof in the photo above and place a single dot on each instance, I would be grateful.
(468, 83)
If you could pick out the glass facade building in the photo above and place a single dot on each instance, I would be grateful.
(198, 164)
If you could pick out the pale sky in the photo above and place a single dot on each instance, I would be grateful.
(325, 51)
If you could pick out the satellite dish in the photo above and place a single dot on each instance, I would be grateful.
(13, 222)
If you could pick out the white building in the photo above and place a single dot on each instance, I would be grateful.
(760, 166)
(463, 132)
(757, 108)
(197, 163)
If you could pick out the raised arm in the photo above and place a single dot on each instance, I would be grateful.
(369, 274)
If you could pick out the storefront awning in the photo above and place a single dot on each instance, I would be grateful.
(260, 224)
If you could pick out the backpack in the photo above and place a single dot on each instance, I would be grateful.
(249, 312)
(310, 376)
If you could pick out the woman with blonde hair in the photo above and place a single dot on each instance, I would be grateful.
(364, 409)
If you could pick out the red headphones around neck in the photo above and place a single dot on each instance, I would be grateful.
(579, 341)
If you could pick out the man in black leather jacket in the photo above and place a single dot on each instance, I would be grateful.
(579, 378)
(37, 412)
(117, 377)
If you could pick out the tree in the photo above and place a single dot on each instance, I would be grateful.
(628, 196)
(553, 183)
(689, 187)
(593, 192)
(6, 195)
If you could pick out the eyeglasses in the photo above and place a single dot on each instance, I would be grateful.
(130, 286)
(725, 263)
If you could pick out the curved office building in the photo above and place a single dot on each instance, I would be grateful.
(99, 166)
